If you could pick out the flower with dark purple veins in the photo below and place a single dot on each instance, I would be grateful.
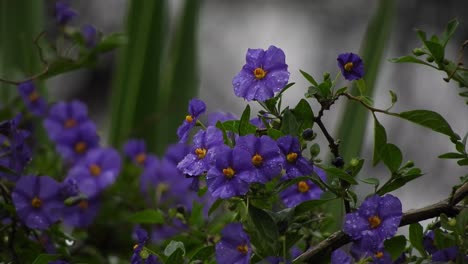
(294, 164)
(234, 246)
(351, 66)
(64, 119)
(96, 171)
(140, 254)
(33, 101)
(340, 257)
(200, 158)
(231, 174)
(264, 74)
(37, 201)
(63, 12)
(75, 146)
(302, 191)
(214, 117)
(81, 214)
(135, 149)
(195, 109)
(265, 156)
(90, 35)
(376, 219)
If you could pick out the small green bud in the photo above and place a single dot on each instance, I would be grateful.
(409, 164)
(418, 52)
(452, 222)
(354, 162)
(144, 254)
(326, 76)
(430, 59)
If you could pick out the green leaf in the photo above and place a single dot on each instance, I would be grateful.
(203, 253)
(304, 115)
(340, 174)
(173, 246)
(380, 140)
(463, 162)
(45, 258)
(391, 156)
(395, 246)
(451, 155)
(341, 91)
(110, 42)
(7, 170)
(324, 89)
(394, 97)
(310, 205)
(430, 120)
(289, 125)
(416, 238)
(196, 216)
(372, 181)
(449, 31)
(148, 216)
(397, 183)
(462, 221)
(361, 85)
(274, 133)
(421, 34)
(263, 232)
(443, 240)
(245, 127)
(309, 78)
(409, 59)
(231, 125)
(215, 206)
(436, 49)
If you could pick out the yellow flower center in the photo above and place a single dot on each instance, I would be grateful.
(80, 147)
(374, 221)
(244, 249)
(257, 160)
(135, 246)
(33, 96)
(303, 187)
(140, 158)
(379, 254)
(291, 157)
(259, 73)
(70, 123)
(36, 202)
(201, 152)
(228, 172)
(83, 205)
(348, 66)
(189, 118)
(95, 170)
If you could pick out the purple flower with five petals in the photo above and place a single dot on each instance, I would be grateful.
(96, 171)
(63, 12)
(135, 149)
(37, 201)
(294, 164)
(234, 246)
(200, 158)
(33, 101)
(376, 219)
(140, 255)
(82, 214)
(264, 74)
(351, 66)
(231, 173)
(195, 109)
(265, 156)
(74, 146)
(302, 191)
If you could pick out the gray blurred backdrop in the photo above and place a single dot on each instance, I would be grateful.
(312, 34)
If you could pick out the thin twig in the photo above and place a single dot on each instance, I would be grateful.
(339, 238)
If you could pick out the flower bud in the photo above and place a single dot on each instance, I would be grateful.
(430, 59)
(338, 162)
(418, 52)
(308, 134)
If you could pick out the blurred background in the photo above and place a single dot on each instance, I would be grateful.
(212, 50)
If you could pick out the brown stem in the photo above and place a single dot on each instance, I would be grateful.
(339, 238)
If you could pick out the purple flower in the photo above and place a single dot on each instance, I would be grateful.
(37, 201)
(351, 66)
(15, 154)
(340, 257)
(33, 101)
(231, 174)
(234, 246)
(214, 117)
(96, 171)
(74, 146)
(167, 230)
(377, 219)
(265, 156)
(195, 109)
(90, 35)
(264, 74)
(428, 242)
(82, 214)
(63, 12)
(64, 120)
(69, 188)
(302, 191)
(140, 254)
(176, 153)
(200, 158)
(366, 248)
(445, 255)
(135, 149)
(294, 164)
